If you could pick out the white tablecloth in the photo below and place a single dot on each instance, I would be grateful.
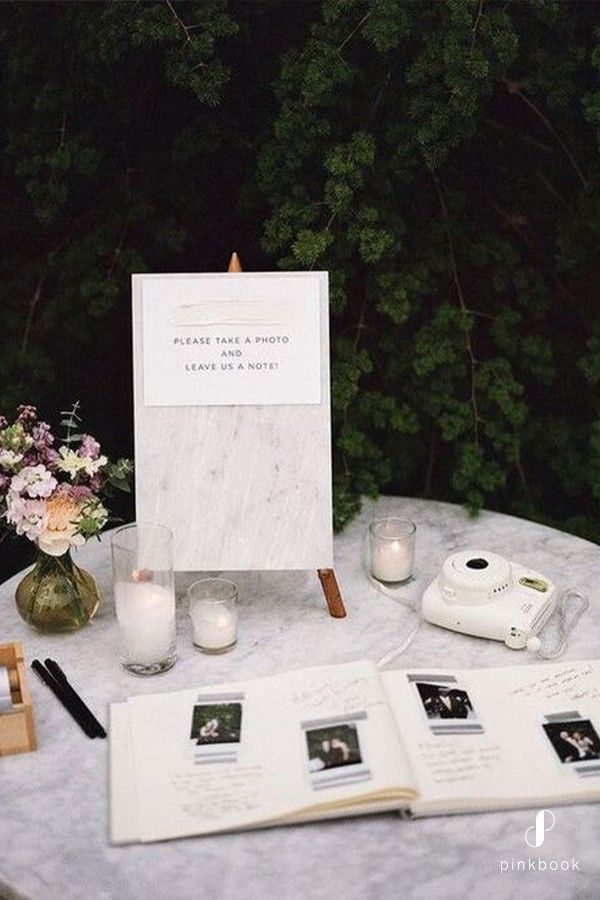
(54, 803)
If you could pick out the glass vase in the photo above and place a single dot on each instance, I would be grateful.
(56, 595)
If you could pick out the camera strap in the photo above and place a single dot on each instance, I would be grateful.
(554, 638)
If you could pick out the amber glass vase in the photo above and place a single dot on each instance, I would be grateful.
(56, 595)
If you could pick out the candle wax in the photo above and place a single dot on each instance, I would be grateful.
(146, 617)
(391, 560)
(215, 626)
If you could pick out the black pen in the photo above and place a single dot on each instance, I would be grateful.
(59, 692)
(56, 671)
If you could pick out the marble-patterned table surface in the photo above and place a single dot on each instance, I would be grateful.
(54, 803)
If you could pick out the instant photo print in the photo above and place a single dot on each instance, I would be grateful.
(334, 751)
(446, 705)
(351, 739)
(216, 729)
(575, 742)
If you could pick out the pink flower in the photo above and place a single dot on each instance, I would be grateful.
(42, 436)
(79, 491)
(29, 517)
(27, 415)
(89, 448)
(33, 481)
(73, 491)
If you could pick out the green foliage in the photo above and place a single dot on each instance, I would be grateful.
(107, 110)
(440, 159)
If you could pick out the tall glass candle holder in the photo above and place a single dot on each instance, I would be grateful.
(144, 589)
(392, 550)
(214, 615)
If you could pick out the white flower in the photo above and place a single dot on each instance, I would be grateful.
(30, 517)
(9, 459)
(33, 481)
(69, 461)
(93, 465)
(56, 543)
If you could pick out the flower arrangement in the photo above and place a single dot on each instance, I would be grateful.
(53, 492)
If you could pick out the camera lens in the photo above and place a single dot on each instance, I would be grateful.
(477, 563)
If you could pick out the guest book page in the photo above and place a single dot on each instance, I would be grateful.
(347, 740)
(475, 738)
(232, 417)
(253, 753)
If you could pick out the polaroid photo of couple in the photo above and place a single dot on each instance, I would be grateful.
(575, 743)
(216, 730)
(446, 705)
(334, 751)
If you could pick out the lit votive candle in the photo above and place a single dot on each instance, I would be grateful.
(146, 617)
(213, 612)
(144, 589)
(392, 549)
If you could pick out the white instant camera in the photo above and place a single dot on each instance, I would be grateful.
(485, 595)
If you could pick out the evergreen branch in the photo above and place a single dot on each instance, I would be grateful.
(515, 88)
(366, 16)
(31, 309)
(430, 461)
(552, 190)
(37, 294)
(476, 26)
(118, 249)
(473, 362)
(63, 131)
(521, 473)
(185, 28)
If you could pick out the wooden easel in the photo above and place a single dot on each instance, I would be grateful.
(331, 589)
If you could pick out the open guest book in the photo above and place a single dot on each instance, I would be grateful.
(348, 739)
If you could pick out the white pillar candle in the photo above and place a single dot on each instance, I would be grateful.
(214, 625)
(146, 617)
(391, 560)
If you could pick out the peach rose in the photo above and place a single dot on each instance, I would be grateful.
(61, 531)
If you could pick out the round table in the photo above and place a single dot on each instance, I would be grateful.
(54, 803)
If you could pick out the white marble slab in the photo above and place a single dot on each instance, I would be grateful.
(53, 803)
(242, 487)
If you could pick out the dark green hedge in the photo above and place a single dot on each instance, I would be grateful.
(439, 158)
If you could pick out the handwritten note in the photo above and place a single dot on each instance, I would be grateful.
(215, 793)
(336, 697)
(571, 683)
(449, 762)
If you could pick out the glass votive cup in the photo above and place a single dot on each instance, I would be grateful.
(144, 591)
(214, 615)
(392, 550)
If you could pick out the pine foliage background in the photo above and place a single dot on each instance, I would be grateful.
(439, 158)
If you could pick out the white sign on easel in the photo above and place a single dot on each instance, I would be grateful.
(232, 417)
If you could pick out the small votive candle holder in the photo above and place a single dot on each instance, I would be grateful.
(213, 611)
(144, 589)
(392, 550)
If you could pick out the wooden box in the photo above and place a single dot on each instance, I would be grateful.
(17, 728)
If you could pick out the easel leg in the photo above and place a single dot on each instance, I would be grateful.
(335, 604)
(331, 589)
